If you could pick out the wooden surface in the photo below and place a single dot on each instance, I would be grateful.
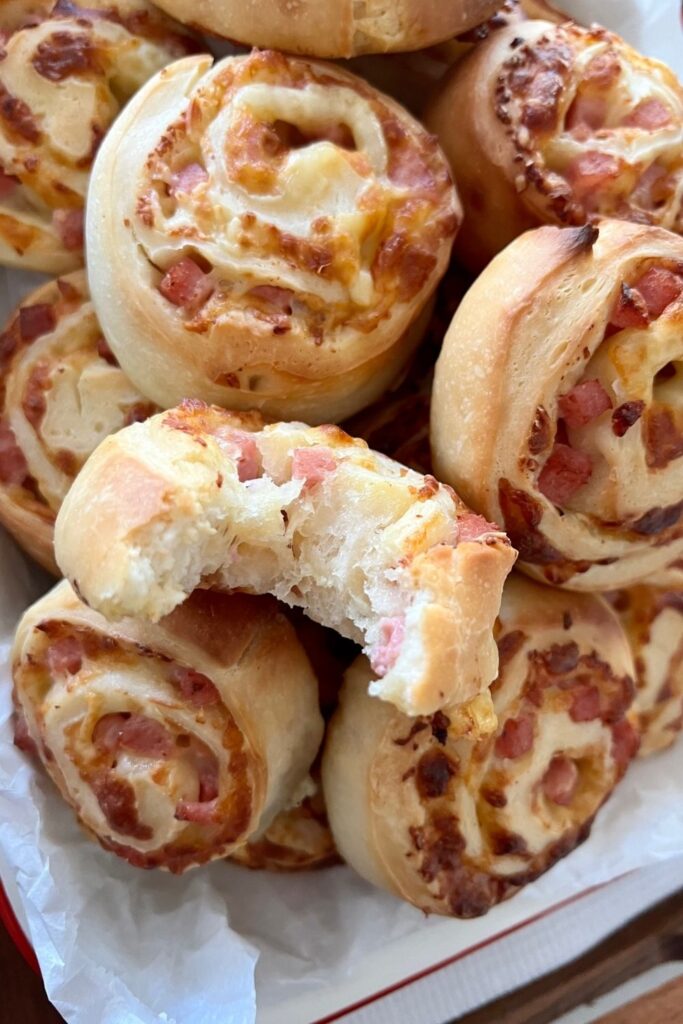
(653, 938)
(22, 997)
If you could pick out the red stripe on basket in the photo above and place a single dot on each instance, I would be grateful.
(15, 931)
(404, 982)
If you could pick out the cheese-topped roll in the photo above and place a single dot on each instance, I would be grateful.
(266, 233)
(557, 407)
(61, 393)
(455, 825)
(66, 70)
(175, 742)
(384, 555)
(333, 28)
(653, 619)
(558, 124)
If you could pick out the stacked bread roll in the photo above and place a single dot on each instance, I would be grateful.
(280, 640)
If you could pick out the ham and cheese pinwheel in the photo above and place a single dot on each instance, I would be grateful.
(454, 825)
(176, 742)
(333, 28)
(66, 69)
(61, 393)
(298, 840)
(558, 124)
(266, 233)
(558, 402)
(384, 555)
(653, 620)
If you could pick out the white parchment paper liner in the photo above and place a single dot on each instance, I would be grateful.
(121, 946)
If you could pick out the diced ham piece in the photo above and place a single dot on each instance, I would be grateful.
(653, 187)
(650, 115)
(565, 472)
(137, 733)
(69, 226)
(659, 288)
(65, 656)
(202, 811)
(585, 704)
(591, 171)
(104, 352)
(584, 403)
(385, 653)
(587, 112)
(517, 737)
(36, 320)
(185, 284)
(207, 772)
(474, 527)
(8, 183)
(560, 781)
(603, 70)
(243, 450)
(197, 811)
(195, 687)
(188, 178)
(13, 465)
(409, 169)
(630, 310)
(312, 465)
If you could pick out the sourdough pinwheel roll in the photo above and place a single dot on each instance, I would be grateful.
(66, 70)
(61, 393)
(176, 742)
(266, 233)
(454, 825)
(298, 840)
(333, 28)
(385, 556)
(558, 124)
(557, 408)
(653, 620)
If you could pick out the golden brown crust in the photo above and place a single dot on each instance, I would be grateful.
(66, 70)
(287, 225)
(61, 393)
(173, 743)
(454, 826)
(554, 408)
(333, 28)
(559, 124)
(653, 620)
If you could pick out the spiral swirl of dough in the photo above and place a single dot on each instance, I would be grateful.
(266, 233)
(173, 743)
(561, 125)
(653, 619)
(61, 393)
(558, 402)
(454, 825)
(66, 70)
